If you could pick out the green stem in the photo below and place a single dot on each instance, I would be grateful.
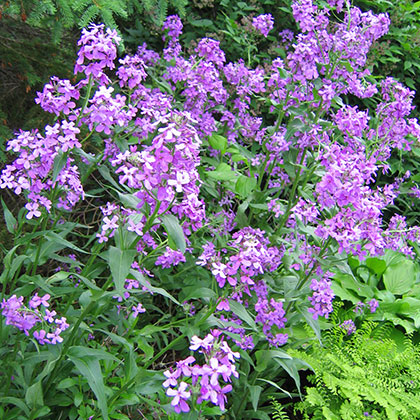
(302, 282)
(292, 200)
(87, 97)
(163, 351)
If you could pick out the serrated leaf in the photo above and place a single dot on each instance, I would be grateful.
(174, 230)
(119, 262)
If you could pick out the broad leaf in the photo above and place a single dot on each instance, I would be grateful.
(400, 278)
(89, 367)
(240, 311)
(174, 230)
(11, 222)
(245, 185)
(119, 262)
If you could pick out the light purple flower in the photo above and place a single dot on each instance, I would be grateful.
(180, 397)
(263, 23)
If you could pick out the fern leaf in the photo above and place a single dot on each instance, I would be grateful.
(88, 16)
(66, 13)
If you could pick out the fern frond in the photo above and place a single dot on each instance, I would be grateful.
(67, 15)
(88, 16)
(278, 413)
(162, 11)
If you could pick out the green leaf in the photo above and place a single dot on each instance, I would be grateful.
(200, 23)
(54, 237)
(313, 323)
(218, 142)
(59, 162)
(34, 395)
(264, 356)
(11, 222)
(239, 310)
(119, 262)
(81, 352)
(290, 366)
(129, 200)
(255, 392)
(377, 265)
(67, 383)
(399, 278)
(89, 367)
(193, 292)
(105, 172)
(16, 402)
(222, 173)
(153, 289)
(174, 231)
(275, 385)
(245, 185)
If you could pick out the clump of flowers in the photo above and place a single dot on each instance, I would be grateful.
(263, 24)
(348, 326)
(321, 298)
(25, 318)
(207, 382)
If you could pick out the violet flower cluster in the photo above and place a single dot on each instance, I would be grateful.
(26, 318)
(263, 24)
(191, 381)
(241, 270)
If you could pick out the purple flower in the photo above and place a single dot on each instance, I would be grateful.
(36, 301)
(348, 326)
(41, 337)
(180, 397)
(138, 310)
(172, 378)
(173, 27)
(373, 305)
(263, 23)
(98, 51)
(321, 299)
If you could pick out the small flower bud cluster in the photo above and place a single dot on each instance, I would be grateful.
(348, 326)
(25, 318)
(372, 304)
(203, 380)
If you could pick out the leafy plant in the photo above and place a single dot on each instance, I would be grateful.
(183, 218)
(366, 374)
(392, 280)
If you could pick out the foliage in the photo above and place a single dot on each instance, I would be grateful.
(184, 219)
(362, 375)
(392, 280)
(59, 15)
(278, 413)
(397, 53)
